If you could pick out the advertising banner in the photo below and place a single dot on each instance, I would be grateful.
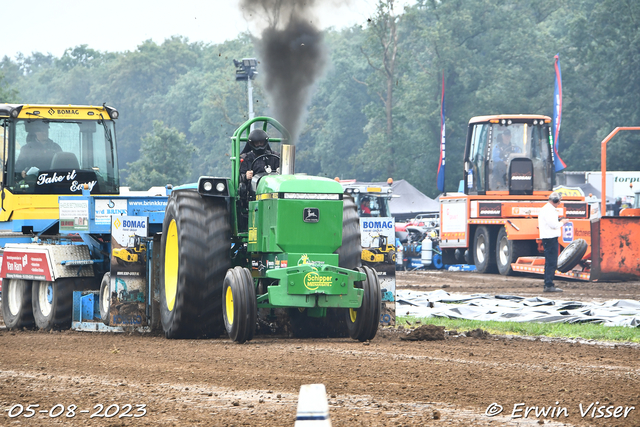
(27, 265)
(128, 270)
(74, 215)
(378, 238)
(106, 208)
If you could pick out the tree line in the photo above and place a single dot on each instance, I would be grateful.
(375, 113)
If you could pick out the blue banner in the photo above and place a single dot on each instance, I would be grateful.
(441, 162)
(557, 115)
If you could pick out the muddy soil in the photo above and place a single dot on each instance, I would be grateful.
(455, 381)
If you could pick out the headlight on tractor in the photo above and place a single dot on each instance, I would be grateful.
(210, 186)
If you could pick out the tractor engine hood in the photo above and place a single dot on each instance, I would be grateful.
(300, 184)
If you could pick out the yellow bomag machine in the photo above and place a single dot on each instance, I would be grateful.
(49, 151)
(135, 252)
(380, 251)
(59, 187)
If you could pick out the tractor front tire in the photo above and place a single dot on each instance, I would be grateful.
(105, 298)
(194, 257)
(52, 304)
(363, 322)
(16, 304)
(240, 307)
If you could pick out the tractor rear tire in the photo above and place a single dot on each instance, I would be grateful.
(483, 252)
(239, 309)
(194, 258)
(16, 304)
(571, 255)
(333, 325)
(351, 250)
(53, 304)
(105, 298)
(508, 251)
(363, 322)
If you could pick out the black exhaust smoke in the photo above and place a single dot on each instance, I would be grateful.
(292, 55)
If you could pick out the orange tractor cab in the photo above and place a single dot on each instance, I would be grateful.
(508, 176)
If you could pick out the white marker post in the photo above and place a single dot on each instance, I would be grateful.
(313, 409)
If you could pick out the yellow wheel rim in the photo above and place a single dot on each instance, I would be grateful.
(171, 263)
(229, 299)
(352, 314)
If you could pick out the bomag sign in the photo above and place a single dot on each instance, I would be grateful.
(57, 112)
(68, 111)
(314, 280)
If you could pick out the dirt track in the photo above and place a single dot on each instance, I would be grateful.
(388, 381)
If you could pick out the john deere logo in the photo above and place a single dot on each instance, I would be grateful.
(304, 260)
(314, 280)
(117, 223)
(311, 215)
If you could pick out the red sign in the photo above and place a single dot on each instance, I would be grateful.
(25, 265)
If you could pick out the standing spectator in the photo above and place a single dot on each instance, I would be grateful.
(550, 229)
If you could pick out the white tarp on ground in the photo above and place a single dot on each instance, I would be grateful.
(516, 309)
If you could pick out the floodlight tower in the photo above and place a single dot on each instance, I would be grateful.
(247, 69)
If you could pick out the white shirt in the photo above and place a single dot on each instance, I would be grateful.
(548, 222)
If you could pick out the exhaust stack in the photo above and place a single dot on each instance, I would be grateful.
(287, 159)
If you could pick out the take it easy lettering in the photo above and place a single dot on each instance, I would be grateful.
(45, 179)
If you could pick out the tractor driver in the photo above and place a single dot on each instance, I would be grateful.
(504, 147)
(257, 145)
(39, 150)
(500, 156)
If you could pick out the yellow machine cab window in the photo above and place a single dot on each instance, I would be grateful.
(60, 156)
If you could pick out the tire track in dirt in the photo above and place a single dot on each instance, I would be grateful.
(214, 403)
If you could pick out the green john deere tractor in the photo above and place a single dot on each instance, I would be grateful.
(288, 242)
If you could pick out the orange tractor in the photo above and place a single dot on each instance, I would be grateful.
(509, 174)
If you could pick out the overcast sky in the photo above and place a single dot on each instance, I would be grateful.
(47, 26)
